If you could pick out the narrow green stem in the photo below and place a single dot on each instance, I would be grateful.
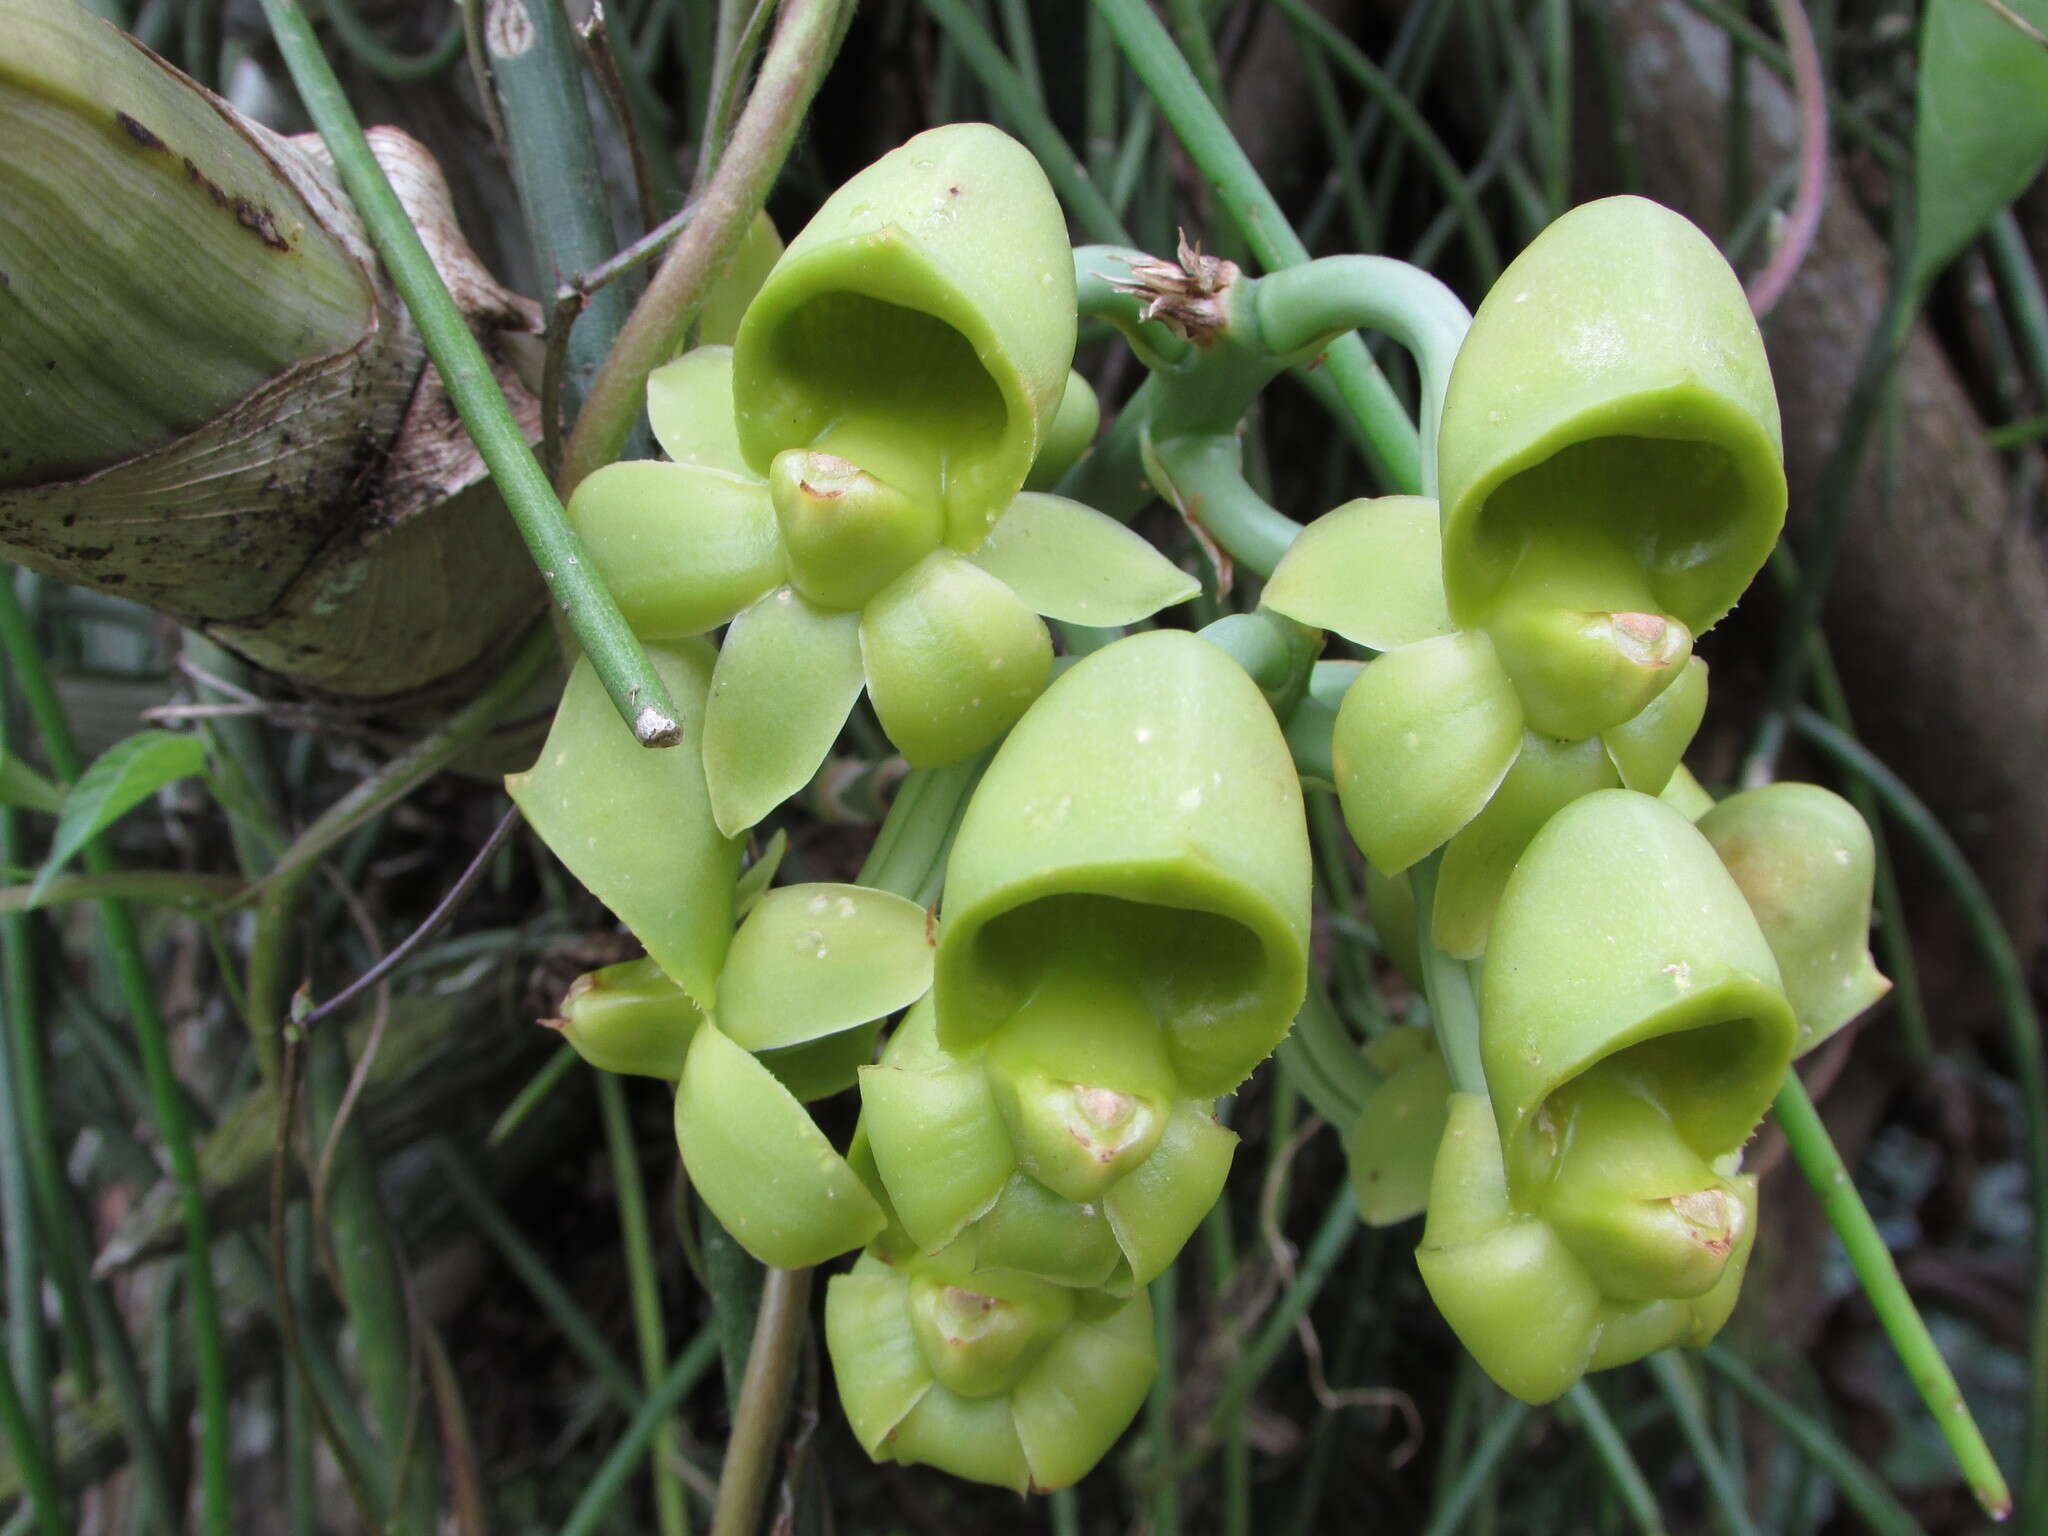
(604, 1488)
(1258, 218)
(1453, 1008)
(1299, 306)
(167, 1100)
(1814, 1150)
(1476, 1471)
(1339, 1226)
(1861, 1488)
(372, 1283)
(807, 35)
(638, 692)
(1401, 112)
(750, 1455)
(577, 1330)
(644, 1285)
(1612, 1450)
(528, 1098)
(2021, 284)
(2023, 1040)
(1681, 1392)
(30, 1460)
(26, 1264)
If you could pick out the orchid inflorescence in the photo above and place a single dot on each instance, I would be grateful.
(1618, 970)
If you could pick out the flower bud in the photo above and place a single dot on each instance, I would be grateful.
(1806, 863)
(630, 1017)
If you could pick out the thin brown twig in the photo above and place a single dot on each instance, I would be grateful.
(443, 910)
(568, 304)
(1282, 1252)
(1802, 220)
(597, 50)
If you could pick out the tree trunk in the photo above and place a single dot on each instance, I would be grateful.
(219, 407)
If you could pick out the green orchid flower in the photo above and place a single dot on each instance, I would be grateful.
(1432, 745)
(1612, 466)
(1000, 1378)
(844, 481)
(1519, 1295)
(1634, 1027)
(1142, 822)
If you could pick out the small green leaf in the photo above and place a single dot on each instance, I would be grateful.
(1646, 750)
(683, 548)
(689, 405)
(761, 1163)
(1423, 739)
(812, 960)
(1982, 128)
(786, 679)
(22, 786)
(125, 775)
(1073, 563)
(1372, 570)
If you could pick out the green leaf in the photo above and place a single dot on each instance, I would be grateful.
(683, 548)
(761, 1163)
(1073, 563)
(786, 679)
(125, 775)
(1423, 739)
(812, 960)
(1372, 570)
(22, 786)
(689, 405)
(1982, 128)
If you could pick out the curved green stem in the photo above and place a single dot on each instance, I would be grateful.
(806, 37)
(1339, 293)
(1252, 209)
(373, 54)
(750, 1455)
(1205, 479)
(641, 697)
(167, 1098)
